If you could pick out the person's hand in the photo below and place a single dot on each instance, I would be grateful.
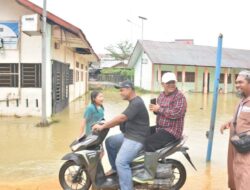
(154, 107)
(97, 127)
(81, 136)
(224, 126)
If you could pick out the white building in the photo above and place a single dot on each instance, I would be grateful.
(194, 65)
(68, 57)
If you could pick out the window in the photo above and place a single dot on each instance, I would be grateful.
(162, 72)
(222, 78)
(189, 77)
(179, 76)
(82, 76)
(77, 64)
(236, 75)
(77, 76)
(229, 79)
(70, 76)
(31, 75)
(8, 75)
(81, 66)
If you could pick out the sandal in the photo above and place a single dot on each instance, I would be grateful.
(110, 172)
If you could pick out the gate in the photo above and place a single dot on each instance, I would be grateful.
(60, 86)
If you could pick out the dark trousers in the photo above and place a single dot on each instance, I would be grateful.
(158, 140)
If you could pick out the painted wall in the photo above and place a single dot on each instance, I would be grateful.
(196, 86)
(11, 11)
(31, 48)
(65, 54)
(137, 73)
(143, 73)
(30, 52)
(27, 105)
(146, 73)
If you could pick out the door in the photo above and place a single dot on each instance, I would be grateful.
(60, 86)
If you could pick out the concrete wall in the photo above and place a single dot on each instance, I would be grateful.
(146, 73)
(137, 73)
(30, 52)
(65, 54)
(27, 104)
(143, 73)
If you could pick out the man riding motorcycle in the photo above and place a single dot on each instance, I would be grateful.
(126, 146)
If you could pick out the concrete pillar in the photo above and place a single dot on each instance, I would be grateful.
(175, 70)
(183, 77)
(74, 75)
(153, 78)
(205, 81)
(196, 79)
(225, 80)
(233, 80)
(159, 74)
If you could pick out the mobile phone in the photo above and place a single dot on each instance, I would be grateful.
(153, 101)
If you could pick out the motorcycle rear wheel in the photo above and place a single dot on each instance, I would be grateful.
(71, 178)
(180, 174)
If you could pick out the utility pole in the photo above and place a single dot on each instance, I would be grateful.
(131, 30)
(44, 121)
(142, 19)
(215, 97)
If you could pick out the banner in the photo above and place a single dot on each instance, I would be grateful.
(9, 33)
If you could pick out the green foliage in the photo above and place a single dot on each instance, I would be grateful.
(120, 51)
(119, 71)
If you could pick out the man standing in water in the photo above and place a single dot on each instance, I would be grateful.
(123, 148)
(238, 163)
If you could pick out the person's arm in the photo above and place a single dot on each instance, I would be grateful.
(225, 126)
(175, 112)
(86, 117)
(130, 112)
(82, 127)
(109, 124)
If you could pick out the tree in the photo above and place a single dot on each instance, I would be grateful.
(120, 51)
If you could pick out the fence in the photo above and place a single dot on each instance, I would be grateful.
(114, 78)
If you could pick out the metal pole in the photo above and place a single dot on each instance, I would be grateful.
(142, 19)
(131, 30)
(44, 102)
(215, 96)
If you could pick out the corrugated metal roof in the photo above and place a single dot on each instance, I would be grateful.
(195, 55)
(57, 20)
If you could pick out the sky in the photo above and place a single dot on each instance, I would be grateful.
(107, 22)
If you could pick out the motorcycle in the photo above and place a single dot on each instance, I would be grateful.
(83, 166)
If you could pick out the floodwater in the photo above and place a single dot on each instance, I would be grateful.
(30, 156)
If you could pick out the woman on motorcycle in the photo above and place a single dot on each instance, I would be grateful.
(93, 113)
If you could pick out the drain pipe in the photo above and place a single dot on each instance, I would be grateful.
(44, 121)
(19, 62)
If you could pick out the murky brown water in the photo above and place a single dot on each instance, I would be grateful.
(30, 156)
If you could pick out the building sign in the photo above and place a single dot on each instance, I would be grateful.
(9, 33)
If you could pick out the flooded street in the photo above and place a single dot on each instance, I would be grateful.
(30, 156)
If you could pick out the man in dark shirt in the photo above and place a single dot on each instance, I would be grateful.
(123, 148)
(170, 109)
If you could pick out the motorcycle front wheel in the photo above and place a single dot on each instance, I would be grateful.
(73, 177)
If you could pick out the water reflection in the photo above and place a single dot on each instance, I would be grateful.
(33, 153)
